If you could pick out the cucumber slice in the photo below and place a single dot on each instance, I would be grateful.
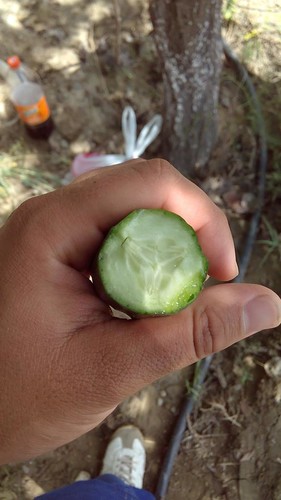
(151, 264)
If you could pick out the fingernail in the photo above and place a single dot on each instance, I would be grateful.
(261, 313)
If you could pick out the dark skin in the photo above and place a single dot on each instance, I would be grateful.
(65, 362)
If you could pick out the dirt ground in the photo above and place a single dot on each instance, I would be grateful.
(232, 446)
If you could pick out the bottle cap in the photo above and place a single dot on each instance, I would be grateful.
(14, 62)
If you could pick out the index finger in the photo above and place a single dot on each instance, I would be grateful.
(91, 206)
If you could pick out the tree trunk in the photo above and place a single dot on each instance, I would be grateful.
(188, 39)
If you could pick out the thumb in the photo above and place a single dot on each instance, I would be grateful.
(221, 316)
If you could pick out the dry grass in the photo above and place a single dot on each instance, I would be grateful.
(22, 176)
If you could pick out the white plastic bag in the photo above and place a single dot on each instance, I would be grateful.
(134, 146)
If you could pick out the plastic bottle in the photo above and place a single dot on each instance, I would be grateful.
(29, 100)
(9, 76)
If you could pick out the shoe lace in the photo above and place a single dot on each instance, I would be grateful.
(125, 468)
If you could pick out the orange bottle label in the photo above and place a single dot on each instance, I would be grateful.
(34, 114)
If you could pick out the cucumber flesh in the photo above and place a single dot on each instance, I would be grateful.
(151, 263)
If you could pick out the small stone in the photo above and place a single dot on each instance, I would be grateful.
(160, 401)
(64, 144)
(83, 476)
(273, 368)
(56, 33)
(31, 488)
(277, 391)
(55, 141)
(163, 393)
(127, 37)
(225, 101)
(80, 145)
(39, 28)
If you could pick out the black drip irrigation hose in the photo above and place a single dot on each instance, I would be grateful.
(261, 163)
(203, 365)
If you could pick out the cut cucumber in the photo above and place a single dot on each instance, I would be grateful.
(151, 264)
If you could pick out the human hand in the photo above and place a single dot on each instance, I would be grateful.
(65, 362)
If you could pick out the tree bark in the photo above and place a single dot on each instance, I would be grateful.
(188, 38)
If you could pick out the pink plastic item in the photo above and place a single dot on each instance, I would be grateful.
(85, 162)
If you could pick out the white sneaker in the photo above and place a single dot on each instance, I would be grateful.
(125, 456)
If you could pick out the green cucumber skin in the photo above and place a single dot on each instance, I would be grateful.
(182, 302)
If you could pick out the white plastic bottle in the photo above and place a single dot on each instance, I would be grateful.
(29, 100)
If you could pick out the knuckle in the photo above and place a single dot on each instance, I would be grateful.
(164, 173)
(27, 224)
(30, 215)
(222, 217)
(210, 331)
(157, 171)
(158, 166)
(163, 168)
(28, 211)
